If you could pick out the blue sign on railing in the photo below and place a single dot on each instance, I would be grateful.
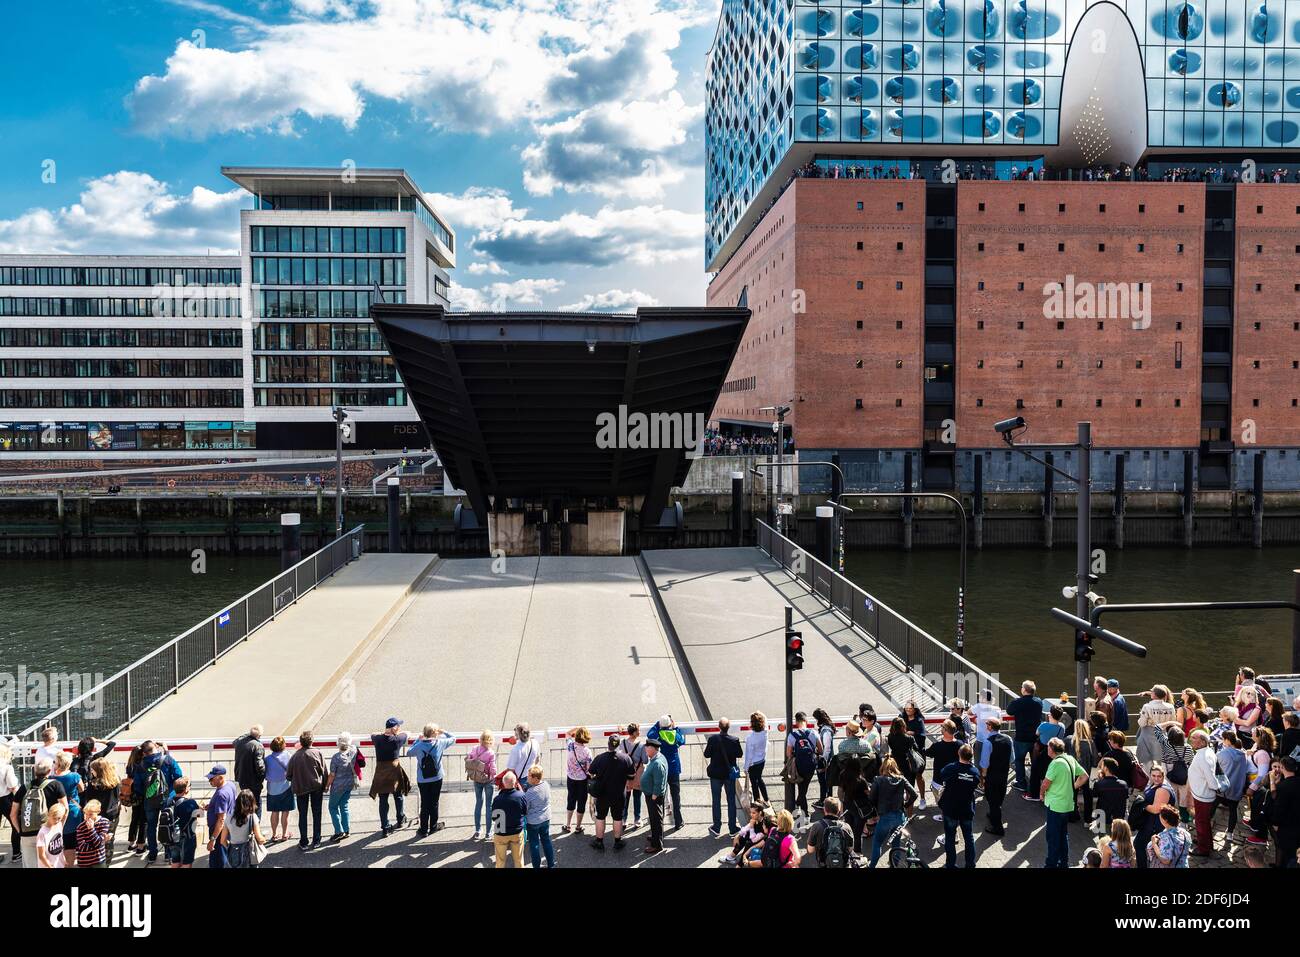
(223, 619)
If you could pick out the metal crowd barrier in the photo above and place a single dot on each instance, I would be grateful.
(145, 682)
(915, 649)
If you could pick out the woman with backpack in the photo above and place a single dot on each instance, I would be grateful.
(86, 755)
(577, 763)
(1177, 757)
(891, 792)
(801, 751)
(427, 752)
(240, 834)
(481, 769)
(780, 849)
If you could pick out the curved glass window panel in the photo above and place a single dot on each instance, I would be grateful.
(1224, 95)
(1263, 29)
(940, 20)
(904, 57)
(817, 125)
(984, 93)
(860, 88)
(900, 88)
(943, 90)
(894, 123)
(1179, 21)
(1282, 132)
(1293, 96)
(817, 56)
(1183, 61)
(1033, 20)
(861, 23)
(1026, 92)
(1024, 126)
(862, 124)
(982, 20)
(984, 57)
(861, 56)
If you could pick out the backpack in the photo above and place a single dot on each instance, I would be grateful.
(428, 765)
(155, 787)
(169, 828)
(1178, 771)
(805, 754)
(31, 817)
(835, 849)
(772, 849)
(1137, 814)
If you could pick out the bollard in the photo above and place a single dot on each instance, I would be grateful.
(290, 540)
(977, 500)
(826, 535)
(907, 502)
(1118, 495)
(737, 508)
(1189, 498)
(394, 515)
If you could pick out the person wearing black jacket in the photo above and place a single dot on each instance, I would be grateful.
(1284, 810)
(1110, 791)
(996, 775)
(941, 754)
(1027, 710)
(723, 751)
(86, 755)
(250, 763)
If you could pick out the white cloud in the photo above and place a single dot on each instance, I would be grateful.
(644, 235)
(502, 295)
(478, 66)
(634, 149)
(612, 300)
(130, 212)
(486, 267)
(479, 207)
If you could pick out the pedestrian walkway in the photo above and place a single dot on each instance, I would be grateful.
(728, 607)
(554, 641)
(290, 665)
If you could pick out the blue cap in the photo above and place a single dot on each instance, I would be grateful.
(217, 769)
(393, 723)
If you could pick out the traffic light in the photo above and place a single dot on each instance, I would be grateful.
(793, 650)
(1083, 650)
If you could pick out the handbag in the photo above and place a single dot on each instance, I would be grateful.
(476, 770)
(1138, 778)
(258, 850)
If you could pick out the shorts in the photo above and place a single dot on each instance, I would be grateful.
(281, 802)
(182, 853)
(611, 806)
(577, 794)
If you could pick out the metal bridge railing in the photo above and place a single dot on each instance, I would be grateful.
(916, 650)
(122, 698)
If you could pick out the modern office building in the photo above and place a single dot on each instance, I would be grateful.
(132, 356)
(865, 197)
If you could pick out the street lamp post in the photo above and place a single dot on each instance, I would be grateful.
(1083, 444)
(778, 426)
(341, 428)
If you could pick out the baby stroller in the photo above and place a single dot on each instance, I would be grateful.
(900, 849)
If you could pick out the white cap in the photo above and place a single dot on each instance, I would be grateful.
(737, 475)
(394, 480)
(290, 518)
(825, 511)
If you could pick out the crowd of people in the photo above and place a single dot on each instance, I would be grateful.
(715, 443)
(1188, 761)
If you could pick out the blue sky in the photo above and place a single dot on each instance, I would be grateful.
(563, 139)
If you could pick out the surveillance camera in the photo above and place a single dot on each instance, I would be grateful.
(1096, 599)
(1069, 591)
(1009, 425)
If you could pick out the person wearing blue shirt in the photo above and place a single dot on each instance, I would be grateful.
(155, 757)
(670, 739)
(428, 752)
(1027, 710)
(1120, 719)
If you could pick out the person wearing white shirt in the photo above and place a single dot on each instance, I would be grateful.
(525, 752)
(48, 750)
(756, 755)
(981, 713)
(1201, 781)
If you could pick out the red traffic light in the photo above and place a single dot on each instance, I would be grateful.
(796, 644)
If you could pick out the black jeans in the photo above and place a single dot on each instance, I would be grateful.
(801, 795)
(313, 800)
(675, 790)
(6, 803)
(398, 804)
(654, 805)
(757, 787)
(135, 830)
(994, 803)
(429, 794)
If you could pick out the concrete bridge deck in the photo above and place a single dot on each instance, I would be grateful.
(289, 666)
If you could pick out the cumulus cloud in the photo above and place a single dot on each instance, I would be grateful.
(477, 66)
(479, 207)
(644, 235)
(502, 295)
(612, 300)
(631, 149)
(486, 267)
(130, 212)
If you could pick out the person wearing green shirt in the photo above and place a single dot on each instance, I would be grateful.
(654, 782)
(1064, 775)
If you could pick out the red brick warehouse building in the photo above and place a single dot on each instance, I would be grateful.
(907, 295)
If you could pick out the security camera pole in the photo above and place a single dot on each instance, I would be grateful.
(340, 418)
(1082, 640)
(779, 428)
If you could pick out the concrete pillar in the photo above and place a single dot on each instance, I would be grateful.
(908, 510)
(290, 539)
(63, 526)
(977, 500)
(394, 514)
(1257, 503)
(1118, 507)
(232, 530)
(826, 536)
(737, 508)
(1049, 503)
(1189, 498)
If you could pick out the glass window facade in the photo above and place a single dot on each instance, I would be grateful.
(121, 368)
(327, 239)
(79, 338)
(121, 398)
(201, 307)
(115, 276)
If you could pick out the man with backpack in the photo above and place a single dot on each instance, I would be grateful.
(801, 750)
(154, 779)
(830, 840)
(31, 803)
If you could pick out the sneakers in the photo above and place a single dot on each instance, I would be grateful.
(438, 827)
(920, 805)
(715, 831)
(1256, 840)
(619, 844)
(478, 836)
(728, 859)
(598, 843)
(1020, 787)
(421, 833)
(1030, 797)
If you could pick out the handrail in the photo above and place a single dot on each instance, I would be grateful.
(354, 536)
(766, 533)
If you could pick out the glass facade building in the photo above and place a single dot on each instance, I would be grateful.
(983, 76)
